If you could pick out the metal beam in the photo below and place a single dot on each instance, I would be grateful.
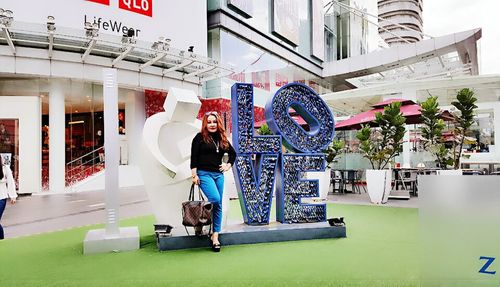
(441, 61)
(202, 71)
(216, 75)
(178, 66)
(9, 40)
(89, 49)
(158, 57)
(123, 55)
(51, 43)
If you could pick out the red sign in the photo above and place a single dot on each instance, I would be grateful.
(144, 7)
(281, 80)
(105, 2)
(240, 77)
(261, 80)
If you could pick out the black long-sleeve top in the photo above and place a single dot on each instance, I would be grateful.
(204, 156)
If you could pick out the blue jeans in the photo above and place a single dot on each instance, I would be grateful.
(212, 185)
(3, 202)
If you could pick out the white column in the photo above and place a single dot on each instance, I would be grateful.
(57, 149)
(406, 149)
(111, 148)
(407, 94)
(135, 117)
(496, 127)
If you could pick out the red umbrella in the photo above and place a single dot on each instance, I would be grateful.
(409, 109)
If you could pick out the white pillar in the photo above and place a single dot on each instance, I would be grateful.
(496, 127)
(57, 149)
(111, 150)
(112, 238)
(407, 94)
(135, 117)
(406, 148)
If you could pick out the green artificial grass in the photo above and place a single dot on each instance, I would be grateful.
(381, 249)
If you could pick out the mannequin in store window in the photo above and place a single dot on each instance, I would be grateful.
(5, 140)
(7, 190)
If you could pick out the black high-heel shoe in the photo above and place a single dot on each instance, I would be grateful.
(216, 247)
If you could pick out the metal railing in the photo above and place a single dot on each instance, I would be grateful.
(85, 166)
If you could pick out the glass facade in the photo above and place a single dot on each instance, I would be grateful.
(254, 65)
(352, 30)
(262, 17)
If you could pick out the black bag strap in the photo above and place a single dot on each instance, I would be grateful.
(191, 194)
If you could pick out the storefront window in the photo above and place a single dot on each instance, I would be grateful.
(9, 145)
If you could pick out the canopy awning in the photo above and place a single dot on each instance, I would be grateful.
(409, 109)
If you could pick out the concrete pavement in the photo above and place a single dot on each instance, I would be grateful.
(41, 213)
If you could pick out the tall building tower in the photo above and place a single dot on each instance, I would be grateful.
(404, 12)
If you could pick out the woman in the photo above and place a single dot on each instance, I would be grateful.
(207, 150)
(7, 190)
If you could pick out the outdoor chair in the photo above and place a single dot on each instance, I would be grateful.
(472, 172)
(337, 181)
(352, 179)
(359, 180)
(410, 181)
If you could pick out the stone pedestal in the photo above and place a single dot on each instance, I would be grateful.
(97, 241)
(245, 234)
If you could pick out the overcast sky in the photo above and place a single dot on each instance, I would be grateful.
(442, 17)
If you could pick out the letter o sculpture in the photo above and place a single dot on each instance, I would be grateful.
(309, 105)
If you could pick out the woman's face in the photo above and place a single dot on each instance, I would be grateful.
(211, 124)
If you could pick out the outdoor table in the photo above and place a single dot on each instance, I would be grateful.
(349, 176)
(399, 177)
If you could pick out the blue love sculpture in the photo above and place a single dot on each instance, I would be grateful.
(260, 163)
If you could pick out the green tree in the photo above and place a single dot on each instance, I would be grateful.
(432, 131)
(465, 103)
(333, 150)
(380, 146)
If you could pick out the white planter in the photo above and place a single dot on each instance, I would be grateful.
(324, 181)
(378, 185)
(449, 172)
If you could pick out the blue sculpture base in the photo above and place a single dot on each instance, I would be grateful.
(245, 234)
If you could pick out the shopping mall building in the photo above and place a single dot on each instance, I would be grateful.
(52, 55)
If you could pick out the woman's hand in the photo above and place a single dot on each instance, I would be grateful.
(224, 167)
(13, 201)
(196, 179)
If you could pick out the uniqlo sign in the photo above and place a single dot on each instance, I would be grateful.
(144, 7)
(105, 2)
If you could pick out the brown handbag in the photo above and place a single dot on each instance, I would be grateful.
(196, 212)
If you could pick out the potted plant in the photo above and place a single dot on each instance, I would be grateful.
(432, 132)
(465, 104)
(380, 146)
(433, 127)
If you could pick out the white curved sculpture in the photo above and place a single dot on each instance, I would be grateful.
(166, 150)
